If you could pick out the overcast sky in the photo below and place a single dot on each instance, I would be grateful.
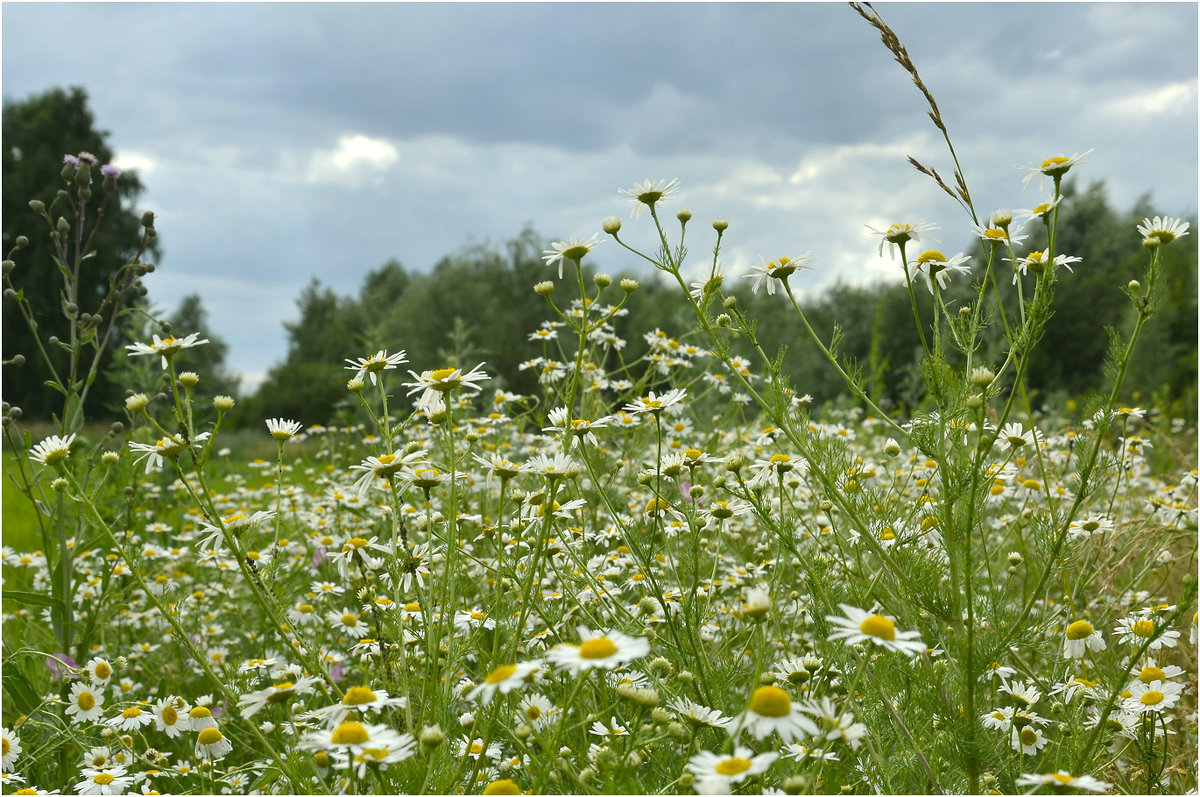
(283, 141)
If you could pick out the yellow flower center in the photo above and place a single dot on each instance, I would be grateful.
(1152, 698)
(500, 673)
(169, 716)
(130, 713)
(1063, 779)
(1152, 674)
(1028, 736)
(655, 505)
(1143, 628)
(770, 701)
(357, 696)
(502, 786)
(199, 713)
(209, 736)
(878, 626)
(321, 759)
(599, 648)
(103, 671)
(386, 459)
(994, 234)
(1053, 164)
(349, 733)
(103, 778)
(733, 766)
(86, 701)
(1080, 629)
(931, 256)
(349, 620)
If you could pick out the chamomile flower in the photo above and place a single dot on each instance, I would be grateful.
(573, 250)
(834, 723)
(283, 692)
(897, 235)
(52, 450)
(109, 780)
(434, 385)
(167, 716)
(648, 194)
(12, 749)
(933, 265)
(772, 710)
(860, 626)
(1163, 228)
(130, 719)
(716, 773)
(1054, 167)
(170, 446)
(212, 744)
(504, 679)
(1064, 780)
(698, 714)
(778, 269)
(1028, 740)
(598, 649)
(1081, 637)
(1152, 672)
(383, 467)
(86, 703)
(379, 361)
(354, 738)
(99, 671)
(1038, 262)
(166, 347)
(282, 429)
(1154, 696)
(1136, 630)
(655, 403)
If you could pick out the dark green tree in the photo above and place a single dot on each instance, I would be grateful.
(209, 360)
(37, 133)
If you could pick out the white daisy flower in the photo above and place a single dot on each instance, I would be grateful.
(1152, 672)
(573, 250)
(835, 723)
(778, 269)
(860, 626)
(698, 714)
(1080, 637)
(1064, 780)
(130, 719)
(170, 446)
(932, 264)
(433, 385)
(12, 749)
(1164, 228)
(504, 679)
(282, 429)
(600, 649)
(1036, 263)
(86, 703)
(897, 235)
(167, 717)
(648, 194)
(771, 710)
(1154, 696)
(383, 467)
(1053, 167)
(167, 347)
(109, 780)
(716, 773)
(379, 361)
(1136, 630)
(654, 403)
(212, 744)
(52, 450)
(1028, 740)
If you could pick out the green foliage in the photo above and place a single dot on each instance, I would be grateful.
(37, 133)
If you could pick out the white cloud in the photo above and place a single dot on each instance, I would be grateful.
(1172, 99)
(134, 161)
(355, 161)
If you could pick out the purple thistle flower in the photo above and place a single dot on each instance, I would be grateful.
(71, 159)
(55, 661)
(108, 170)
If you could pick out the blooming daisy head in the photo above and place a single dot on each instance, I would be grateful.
(573, 250)
(648, 194)
(1054, 167)
(860, 626)
(933, 265)
(1154, 696)
(1081, 637)
(166, 347)
(379, 361)
(52, 450)
(897, 235)
(715, 772)
(504, 679)
(1064, 780)
(434, 385)
(778, 269)
(598, 649)
(772, 710)
(282, 429)
(1163, 229)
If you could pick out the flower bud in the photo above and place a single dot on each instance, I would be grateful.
(63, 226)
(684, 216)
(189, 378)
(720, 225)
(974, 401)
(602, 280)
(356, 385)
(432, 735)
(891, 447)
(982, 376)
(629, 285)
(730, 302)
(148, 219)
(59, 484)
(544, 288)
(110, 458)
(37, 206)
(611, 225)
(1134, 286)
(137, 402)
(223, 403)
(723, 321)
(7, 267)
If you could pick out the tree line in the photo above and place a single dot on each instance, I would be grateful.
(478, 304)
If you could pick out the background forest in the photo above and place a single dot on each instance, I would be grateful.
(478, 304)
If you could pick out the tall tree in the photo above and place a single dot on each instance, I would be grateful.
(37, 133)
